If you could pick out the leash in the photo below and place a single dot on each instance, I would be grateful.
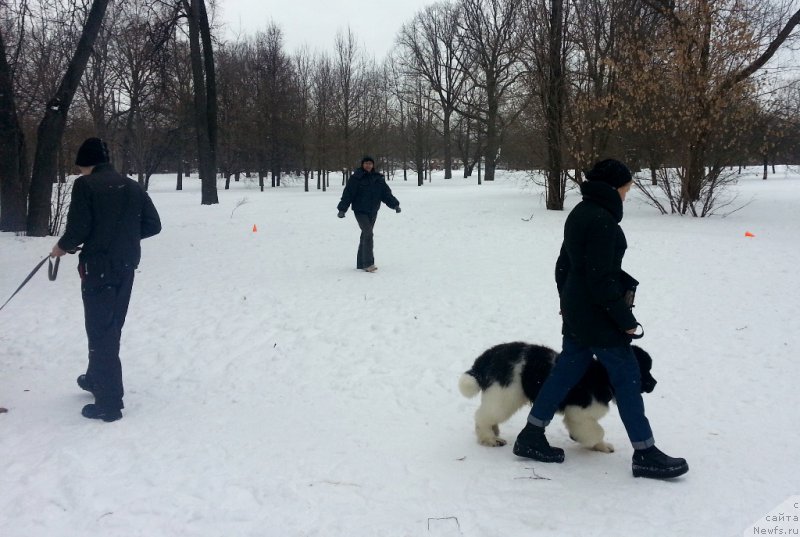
(52, 273)
(637, 336)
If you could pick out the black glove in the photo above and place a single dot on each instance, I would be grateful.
(397, 210)
(341, 214)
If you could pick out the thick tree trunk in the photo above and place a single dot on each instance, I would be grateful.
(492, 136)
(554, 111)
(448, 146)
(205, 125)
(51, 128)
(695, 172)
(211, 87)
(13, 165)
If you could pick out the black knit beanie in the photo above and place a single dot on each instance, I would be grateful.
(93, 151)
(611, 172)
(367, 158)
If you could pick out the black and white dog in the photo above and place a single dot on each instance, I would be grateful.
(510, 375)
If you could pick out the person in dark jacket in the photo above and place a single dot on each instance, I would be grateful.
(365, 191)
(596, 300)
(108, 215)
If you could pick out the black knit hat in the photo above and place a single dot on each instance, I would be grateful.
(367, 158)
(611, 172)
(93, 151)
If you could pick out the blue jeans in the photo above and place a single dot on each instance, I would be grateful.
(623, 371)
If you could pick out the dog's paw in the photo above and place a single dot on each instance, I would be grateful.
(492, 442)
(604, 447)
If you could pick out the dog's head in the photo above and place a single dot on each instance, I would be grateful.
(645, 365)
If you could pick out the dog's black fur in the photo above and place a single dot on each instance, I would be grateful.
(511, 374)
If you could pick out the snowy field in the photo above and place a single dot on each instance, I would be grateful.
(273, 390)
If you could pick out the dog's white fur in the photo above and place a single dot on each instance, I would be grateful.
(584, 427)
(499, 403)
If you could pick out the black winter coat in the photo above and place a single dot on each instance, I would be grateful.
(109, 214)
(589, 275)
(365, 191)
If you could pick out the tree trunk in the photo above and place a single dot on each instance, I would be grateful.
(492, 144)
(695, 172)
(448, 147)
(13, 162)
(51, 128)
(205, 124)
(554, 110)
(179, 184)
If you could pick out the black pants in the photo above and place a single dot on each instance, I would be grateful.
(365, 257)
(105, 305)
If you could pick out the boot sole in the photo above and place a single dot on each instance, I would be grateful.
(92, 413)
(536, 456)
(659, 473)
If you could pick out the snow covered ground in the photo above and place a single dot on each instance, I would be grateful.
(273, 390)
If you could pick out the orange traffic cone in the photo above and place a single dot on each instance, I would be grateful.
(254, 228)
(748, 234)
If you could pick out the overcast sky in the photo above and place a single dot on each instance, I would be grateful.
(316, 22)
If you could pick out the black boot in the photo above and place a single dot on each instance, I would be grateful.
(532, 444)
(655, 464)
(96, 412)
(85, 384)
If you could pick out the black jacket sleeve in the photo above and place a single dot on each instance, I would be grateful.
(348, 194)
(79, 217)
(151, 223)
(387, 197)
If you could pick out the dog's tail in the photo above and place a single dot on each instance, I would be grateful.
(468, 385)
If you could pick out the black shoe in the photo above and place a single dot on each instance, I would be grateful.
(95, 412)
(85, 384)
(532, 444)
(655, 464)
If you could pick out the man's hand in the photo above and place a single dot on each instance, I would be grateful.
(397, 210)
(341, 214)
(57, 251)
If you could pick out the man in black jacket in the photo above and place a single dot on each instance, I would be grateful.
(365, 191)
(108, 215)
(597, 321)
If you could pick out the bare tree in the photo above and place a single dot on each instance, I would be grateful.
(545, 59)
(304, 70)
(13, 165)
(323, 98)
(205, 97)
(431, 41)
(492, 34)
(419, 104)
(278, 88)
(349, 83)
(51, 128)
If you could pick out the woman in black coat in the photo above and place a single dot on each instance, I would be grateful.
(365, 191)
(596, 299)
